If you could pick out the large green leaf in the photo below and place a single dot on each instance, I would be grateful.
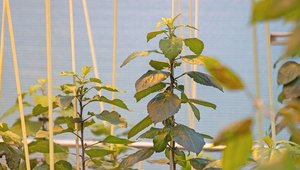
(195, 45)
(31, 127)
(151, 133)
(153, 34)
(195, 110)
(204, 79)
(98, 152)
(39, 109)
(161, 140)
(139, 95)
(42, 100)
(188, 138)
(199, 163)
(136, 157)
(180, 157)
(149, 79)
(193, 59)
(42, 146)
(139, 126)
(63, 165)
(292, 89)
(134, 55)
(116, 140)
(163, 106)
(113, 118)
(203, 103)
(288, 72)
(116, 102)
(64, 101)
(225, 76)
(171, 47)
(159, 65)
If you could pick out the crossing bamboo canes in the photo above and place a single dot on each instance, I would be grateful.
(91, 43)
(270, 82)
(72, 41)
(2, 45)
(18, 83)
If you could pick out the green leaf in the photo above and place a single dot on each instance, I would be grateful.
(42, 146)
(31, 127)
(292, 89)
(184, 98)
(193, 59)
(223, 74)
(139, 95)
(116, 140)
(206, 136)
(151, 78)
(195, 110)
(64, 101)
(65, 120)
(3, 127)
(85, 70)
(199, 163)
(99, 129)
(204, 79)
(139, 127)
(42, 100)
(171, 47)
(163, 106)
(39, 109)
(95, 80)
(136, 157)
(116, 102)
(159, 65)
(151, 133)
(186, 26)
(288, 72)
(97, 152)
(160, 141)
(281, 97)
(67, 73)
(134, 55)
(63, 165)
(113, 118)
(9, 136)
(179, 157)
(195, 45)
(188, 138)
(107, 87)
(203, 103)
(153, 34)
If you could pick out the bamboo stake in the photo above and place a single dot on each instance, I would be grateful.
(91, 42)
(18, 83)
(2, 45)
(74, 81)
(270, 82)
(114, 57)
(49, 81)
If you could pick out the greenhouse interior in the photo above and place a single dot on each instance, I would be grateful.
(150, 84)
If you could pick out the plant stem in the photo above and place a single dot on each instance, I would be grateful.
(82, 135)
(172, 119)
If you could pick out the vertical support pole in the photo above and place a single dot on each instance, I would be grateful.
(92, 48)
(270, 82)
(2, 45)
(72, 41)
(49, 81)
(18, 83)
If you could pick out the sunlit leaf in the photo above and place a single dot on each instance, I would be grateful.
(116, 140)
(203, 103)
(139, 127)
(95, 80)
(57, 129)
(292, 89)
(31, 127)
(184, 98)
(188, 138)
(151, 133)
(39, 109)
(139, 95)
(195, 110)
(159, 65)
(42, 146)
(171, 47)
(149, 79)
(193, 59)
(106, 87)
(163, 106)
(68, 88)
(63, 165)
(9, 136)
(116, 102)
(134, 55)
(113, 118)
(160, 141)
(67, 73)
(225, 76)
(195, 45)
(137, 157)
(98, 152)
(85, 70)
(288, 72)
(42, 100)
(3, 127)
(204, 79)
(153, 34)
